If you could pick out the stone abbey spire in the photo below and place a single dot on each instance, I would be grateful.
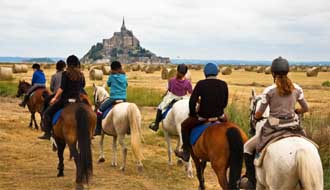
(123, 27)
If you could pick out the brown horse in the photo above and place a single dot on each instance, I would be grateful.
(35, 103)
(222, 145)
(76, 125)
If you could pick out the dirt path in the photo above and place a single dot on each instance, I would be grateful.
(29, 163)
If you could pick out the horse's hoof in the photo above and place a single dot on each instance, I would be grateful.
(101, 160)
(190, 174)
(179, 163)
(60, 174)
(122, 169)
(79, 187)
(140, 169)
(113, 164)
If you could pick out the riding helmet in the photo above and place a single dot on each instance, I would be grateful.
(280, 66)
(36, 66)
(211, 69)
(182, 68)
(115, 65)
(73, 61)
(60, 65)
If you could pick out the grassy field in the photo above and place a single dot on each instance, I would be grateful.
(27, 163)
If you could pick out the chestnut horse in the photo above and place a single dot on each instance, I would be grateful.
(35, 103)
(76, 125)
(222, 145)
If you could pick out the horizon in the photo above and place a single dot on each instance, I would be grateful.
(208, 30)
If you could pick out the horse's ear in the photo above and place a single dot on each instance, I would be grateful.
(253, 93)
(103, 86)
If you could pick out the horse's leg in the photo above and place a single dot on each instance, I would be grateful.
(114, 152)
(101, 157)
(188, 168)
(220, 169)
(169, 148)
(31, 119)
(35, 122)
(60, 150)
(200, 166)
(124, 149)
(74, 153)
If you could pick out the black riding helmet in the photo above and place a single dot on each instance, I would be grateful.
(73, 61)
(60, 65)
(115, 65)
(280, 66)
(182, 68)
(36, 66)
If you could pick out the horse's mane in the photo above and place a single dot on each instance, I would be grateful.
(85, 99)
(24, 82)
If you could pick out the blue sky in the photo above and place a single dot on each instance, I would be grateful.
(209, 29)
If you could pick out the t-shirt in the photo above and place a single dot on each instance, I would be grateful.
(118, 86)
(55, 81)
(213, 94)
(71, 88)
(179, 87)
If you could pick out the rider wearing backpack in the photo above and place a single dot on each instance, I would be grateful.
(117, 82)
(281, 98)
(38, 81)
(213, 96)
(71, 83)
(178, 88)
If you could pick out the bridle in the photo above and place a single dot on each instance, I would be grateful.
(253, 122)
(98, 102)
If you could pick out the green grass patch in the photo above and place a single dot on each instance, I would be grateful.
(326, 83)
(8, 89)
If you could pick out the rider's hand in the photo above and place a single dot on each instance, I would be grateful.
(52, 101)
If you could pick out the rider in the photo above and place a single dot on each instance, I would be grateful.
(178, 87)
(281, 98)
(38, 81)
(72, 81)
(55, 81)
(213, 95)
(117, 82)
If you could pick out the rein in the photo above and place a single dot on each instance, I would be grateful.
(97, 102)
(253, 122)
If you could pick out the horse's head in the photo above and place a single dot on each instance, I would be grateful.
(99, 94)
(255, 102)
(22, 88)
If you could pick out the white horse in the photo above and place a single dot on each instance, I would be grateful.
(122, 119)
(172, 127)
(290, 163)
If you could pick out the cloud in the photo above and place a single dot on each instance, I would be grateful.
(211, 29)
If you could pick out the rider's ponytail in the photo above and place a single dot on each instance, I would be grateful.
(284, 85)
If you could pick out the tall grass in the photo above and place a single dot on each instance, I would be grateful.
(8, 89)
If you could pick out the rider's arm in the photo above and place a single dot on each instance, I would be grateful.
(226, 95)
(109, 81)
(302, 102)
(265, 99)
(193, 101)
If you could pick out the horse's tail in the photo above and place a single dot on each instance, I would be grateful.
(134, 123)
(236, 155)
(84, 144)
(309, 169)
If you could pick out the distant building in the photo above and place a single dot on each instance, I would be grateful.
(122, 46)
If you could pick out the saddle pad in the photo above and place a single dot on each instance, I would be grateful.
(56, 116)
(164, 114)
(259, 157)
(105, 113)
(198, 131)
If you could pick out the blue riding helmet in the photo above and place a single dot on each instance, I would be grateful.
(211, 69)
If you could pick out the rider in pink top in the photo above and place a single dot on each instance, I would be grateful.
(178, 88)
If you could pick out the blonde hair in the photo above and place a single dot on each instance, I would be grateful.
(284, 85)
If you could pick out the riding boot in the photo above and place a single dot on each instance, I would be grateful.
(186, 148)
(24, 102)
(155, 125)
(98, 127)
(250, 173)
(47, 128)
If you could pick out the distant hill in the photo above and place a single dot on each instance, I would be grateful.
(29, 59)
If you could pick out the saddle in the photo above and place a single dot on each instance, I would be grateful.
(259, 157)
(37, 88)
(105, 113)
(169, 107)
(57, 115)
(197, 131)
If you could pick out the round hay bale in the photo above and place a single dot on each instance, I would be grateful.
(268, 70)
(248, 68)
(106, 69)
(47, 66)
(143, 67)
(127, 68)
(150, 69)
(96, 74)
(99, 67)
(226, 71)
(158, 67)
(135, 67)
(20, 68)
(324, 69)
(164, 73)
(237, 67)
(6, 73)
(312, 72)
(293, 68)
(171, 73)
(259, 69)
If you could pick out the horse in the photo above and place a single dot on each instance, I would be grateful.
(172, 127)
(222, 145)
(35, 103)
(290, 163)
(123, 118)
(76, 125)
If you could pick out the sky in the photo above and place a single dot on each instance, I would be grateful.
(207, 29)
